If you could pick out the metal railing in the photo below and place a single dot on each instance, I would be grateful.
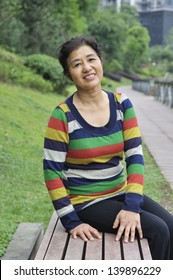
(161, 89)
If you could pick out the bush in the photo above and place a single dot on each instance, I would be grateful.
(48, 67)
(9, 56)
(19, 74)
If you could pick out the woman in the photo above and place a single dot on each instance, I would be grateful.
(86, 139)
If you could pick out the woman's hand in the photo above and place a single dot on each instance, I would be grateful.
(128, 222)
(85, 232)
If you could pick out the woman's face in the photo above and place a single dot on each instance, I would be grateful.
(85, 68)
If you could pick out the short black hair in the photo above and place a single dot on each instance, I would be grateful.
(74, 43)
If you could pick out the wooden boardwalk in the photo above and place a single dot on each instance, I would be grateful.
(156, 123)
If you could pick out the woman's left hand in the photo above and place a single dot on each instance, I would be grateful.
(128, 222)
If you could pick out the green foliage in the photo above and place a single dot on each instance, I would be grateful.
(129, 15)
(113, 66)
(160, 53)
(20, 75)
(160, 59)
(12, 35)
(170, 67)
(88, 8)
(13, 71)
(9, 56)
(34, 27)
(109, 29)
(136, 47)
(48, 67)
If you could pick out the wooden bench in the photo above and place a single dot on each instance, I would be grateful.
(59, 245)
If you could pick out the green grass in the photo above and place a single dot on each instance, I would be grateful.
(23, 118)
(156, 186)
(23, 195)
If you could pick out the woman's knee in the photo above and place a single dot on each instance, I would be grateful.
(154, 226)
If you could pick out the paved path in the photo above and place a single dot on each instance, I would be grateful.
(156, 123)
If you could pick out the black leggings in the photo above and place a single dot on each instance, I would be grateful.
(156, 222)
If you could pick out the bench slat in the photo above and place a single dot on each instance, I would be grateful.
(131, 250)
(46, 239)
(57, 244)
(94, 250)
(75, 249)
(112, 251)
(145, 249)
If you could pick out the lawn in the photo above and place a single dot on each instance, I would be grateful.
(23, 195)
(23, 118)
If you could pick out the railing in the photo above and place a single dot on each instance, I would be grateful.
(164, 91)
(161, 89)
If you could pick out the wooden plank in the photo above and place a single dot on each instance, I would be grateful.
(145, 249)
(47, 237)
(112, 248)
(94, 250)
(74, 249)
(58, 241)
(131, 250)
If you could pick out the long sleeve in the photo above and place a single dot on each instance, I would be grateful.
(55, 150)
(133, 156)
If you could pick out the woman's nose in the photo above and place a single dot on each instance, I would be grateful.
(86, 67)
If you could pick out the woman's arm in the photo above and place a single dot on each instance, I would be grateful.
(128, 218)
(55, 150)
(133, 157)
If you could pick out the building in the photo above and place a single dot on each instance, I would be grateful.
(116, 3)
(148, 5)
(142, 5)
(155, 15)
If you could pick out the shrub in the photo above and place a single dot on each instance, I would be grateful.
(19, 74)
(9, 56)
(48, 67)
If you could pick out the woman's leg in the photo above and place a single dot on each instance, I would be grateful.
(162, 231)
(102, 215)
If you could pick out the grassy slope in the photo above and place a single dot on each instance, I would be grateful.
(24, 115)
(24, 198)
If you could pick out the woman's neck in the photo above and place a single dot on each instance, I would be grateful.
(89, 97)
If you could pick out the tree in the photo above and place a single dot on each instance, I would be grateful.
(49, 23)
(88, 8)
(136, 47)
(130, 15)
(11, 28)
(8, 9)
(109, 29)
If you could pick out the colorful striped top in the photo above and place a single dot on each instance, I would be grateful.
(83, 164)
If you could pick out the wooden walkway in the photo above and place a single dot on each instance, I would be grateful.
(156, 123)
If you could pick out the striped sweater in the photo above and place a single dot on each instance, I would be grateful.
(82, 163)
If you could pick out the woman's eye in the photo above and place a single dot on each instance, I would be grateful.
(77, 64)
(92, 59)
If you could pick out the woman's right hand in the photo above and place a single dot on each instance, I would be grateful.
(85, 232)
